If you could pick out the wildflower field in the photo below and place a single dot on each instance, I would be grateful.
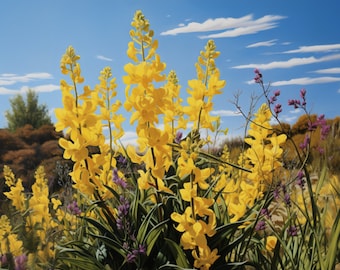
(169, 203)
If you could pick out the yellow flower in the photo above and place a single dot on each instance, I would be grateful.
(185, 220)
(185, 167)
(188, 192)
(204, 258)
(56, 203)
(271, 242)
(16, 195)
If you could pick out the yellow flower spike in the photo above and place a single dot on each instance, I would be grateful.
(9, 242)
(16, 195)
(9, 176)
(205, 87)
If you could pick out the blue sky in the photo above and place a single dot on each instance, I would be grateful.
(296, 44)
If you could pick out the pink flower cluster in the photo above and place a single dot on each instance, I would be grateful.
(258, 76)
(297, 103)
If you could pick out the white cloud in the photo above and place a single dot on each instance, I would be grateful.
(288, 119)
(306, 81)
(316, 48)
(226, 113)
(38, 89)
(129, 138)
(237, 26)
(291, 62)
(263, 44)
(296, 111)
(328, 70)
(13, 79)
(9, 79)
(339, 91)
(101, 57)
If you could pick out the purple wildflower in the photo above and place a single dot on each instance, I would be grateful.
(20, 262)
(141, 249)
(131, 257)
(277, 92)
(294, 102)
(305, 142)
(325, 131)
(277, 109)
(3, 260)
(178, 137)
(292, 230)
(287, 198)
(265, 212)
(276, 192)
(117, 180)
(303, 96)
(303, 93)
(122, 160)
(74, 208)
(258, 76)
(123, 211)
(272, 99)
(321, 150)
(133, 254)
(300, 179)
(260, 226)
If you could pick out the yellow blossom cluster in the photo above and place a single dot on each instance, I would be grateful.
(326, 189)
(262, 158)
(39, 225)
(9, 242)
(147, 102)
(198, 220)
(91, 171)
(204, 88)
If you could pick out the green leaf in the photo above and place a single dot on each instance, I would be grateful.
(152, 237)
(178, 253)
(144, 227)
(334, 244)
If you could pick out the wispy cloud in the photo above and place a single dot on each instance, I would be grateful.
(16, 82)
(9, 79)
(316, 48)
(234, 26)
(38, 89)
(328, 71)
(291, 62)
(101, 57)
(306, 81)
(263, 44)
(226, 113)
(288, 119)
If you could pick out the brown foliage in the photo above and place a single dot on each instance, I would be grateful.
(28, 148)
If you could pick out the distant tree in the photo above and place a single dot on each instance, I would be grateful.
(27, 112)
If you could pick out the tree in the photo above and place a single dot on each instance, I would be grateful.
(27, 112)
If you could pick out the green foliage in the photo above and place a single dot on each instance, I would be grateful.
(27, 111)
